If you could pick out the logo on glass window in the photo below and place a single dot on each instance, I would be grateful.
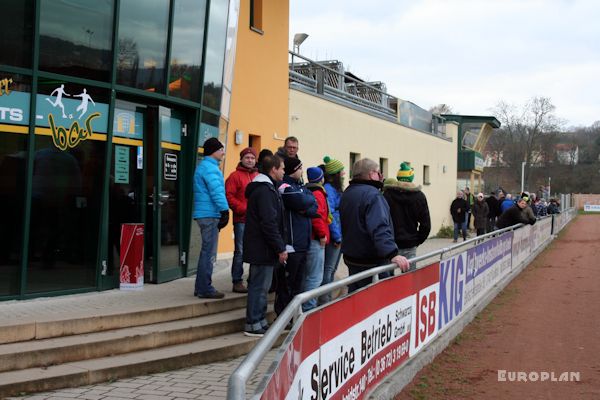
(5, 86)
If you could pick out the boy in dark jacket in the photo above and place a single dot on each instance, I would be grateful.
(300, 207)
(409, 210)
(458, 210)
(519, 213)
(264, 246)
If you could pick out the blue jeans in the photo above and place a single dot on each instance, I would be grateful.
(460, 226)
(259, 283)
(313, 277)
(208, 256)
(237, 265)
(332, 259)
(409, 252)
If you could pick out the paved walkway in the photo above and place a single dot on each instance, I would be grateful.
(200, 382)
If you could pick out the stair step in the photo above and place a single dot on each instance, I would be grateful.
(20, 332)
(48, 352)
(87, 372)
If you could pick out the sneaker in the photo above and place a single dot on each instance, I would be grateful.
(455, 241)
(257, 333)
(214, 295)
(239, 288)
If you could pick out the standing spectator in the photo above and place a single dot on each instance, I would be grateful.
(458, 210)
(334, 186)
(518, 213)
(367, 225)
(320, 236)
(481, 211)
(539, 208)
(300, 207)
(263, 153)
(470, 201)
(507, 203)
(235, 190)
(494, 208)
(289, 149)
(211, 212)
(409, 211)
(553, 207)
(264, 246)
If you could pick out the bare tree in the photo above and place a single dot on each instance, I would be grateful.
(441, 109)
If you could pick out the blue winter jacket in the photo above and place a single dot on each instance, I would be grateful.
(367, 225)
(506, 204)
(209, 190)
(333, 198)
(300, 207)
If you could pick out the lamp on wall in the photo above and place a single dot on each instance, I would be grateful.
(299, 38)
(239, 137)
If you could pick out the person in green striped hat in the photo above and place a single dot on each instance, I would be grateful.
(409, 211)
(334, 186)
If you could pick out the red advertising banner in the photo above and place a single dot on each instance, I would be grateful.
(344, 349)
(132, 257)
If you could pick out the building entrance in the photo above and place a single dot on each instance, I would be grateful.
(146, 186)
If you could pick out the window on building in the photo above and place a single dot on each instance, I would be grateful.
(186, 49)
(76, 37)
(426, 180)
(354, 157)
(215, 54)
(254, 142)
(256, 15)
(383, 167)
(142, 45)
(17, 33)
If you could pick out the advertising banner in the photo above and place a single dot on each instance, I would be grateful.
(540, 232)
(488, 262)
(132, 257)
(521, 247)
(591, 207)
(456, 294)
(344, 349)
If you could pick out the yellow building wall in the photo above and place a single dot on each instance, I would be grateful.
(326, 128)
(259, 100)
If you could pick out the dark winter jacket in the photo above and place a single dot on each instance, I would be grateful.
(265, 229)
(410, 213)
(515, 215)
(300, 207)
(493, 206)
(481, 211)
(367, 226)
(458, 210)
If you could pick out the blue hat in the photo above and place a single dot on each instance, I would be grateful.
(314, 174)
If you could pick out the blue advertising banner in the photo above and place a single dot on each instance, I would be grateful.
(456, 293)
(14, 108)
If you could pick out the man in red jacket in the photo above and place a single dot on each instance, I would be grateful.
(235, 189)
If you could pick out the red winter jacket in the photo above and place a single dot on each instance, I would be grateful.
(320, 225)
(235, 189)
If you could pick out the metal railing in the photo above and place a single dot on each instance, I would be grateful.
(236, 389)
(328, 78)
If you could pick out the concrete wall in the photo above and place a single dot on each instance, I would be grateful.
(327, 128)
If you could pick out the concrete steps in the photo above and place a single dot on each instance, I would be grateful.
(128, 344)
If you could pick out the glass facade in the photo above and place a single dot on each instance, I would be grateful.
(84, 154)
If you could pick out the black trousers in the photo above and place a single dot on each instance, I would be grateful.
(288, 280)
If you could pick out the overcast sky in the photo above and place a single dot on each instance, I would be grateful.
(467, 54)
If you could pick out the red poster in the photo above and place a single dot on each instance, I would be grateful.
(132, 257)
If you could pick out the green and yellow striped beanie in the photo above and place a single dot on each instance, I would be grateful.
(332, 166)
(406, 173)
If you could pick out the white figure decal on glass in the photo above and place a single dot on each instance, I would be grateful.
(58, 102)
(84, 102)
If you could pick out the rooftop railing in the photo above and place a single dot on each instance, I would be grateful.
(329, 79)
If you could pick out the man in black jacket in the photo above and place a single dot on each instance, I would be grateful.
(409, 211)
(367, 225)
(264, 246)
(519, 213)
(494, 211)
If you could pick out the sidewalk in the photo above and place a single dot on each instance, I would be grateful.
(201, 382)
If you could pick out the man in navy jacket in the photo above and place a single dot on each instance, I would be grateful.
(367, 225)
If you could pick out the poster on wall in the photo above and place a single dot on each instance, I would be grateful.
(121, 164)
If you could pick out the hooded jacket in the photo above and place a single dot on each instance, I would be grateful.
(300, 207)
(235, 190)
(367, 226)
(265, 228)
(458, 210)
(481, 211)
(410, 213)
(516, 215)
(209, 190)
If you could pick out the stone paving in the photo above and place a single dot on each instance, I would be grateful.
(199, 382)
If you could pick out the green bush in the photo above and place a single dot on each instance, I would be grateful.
(445, 232)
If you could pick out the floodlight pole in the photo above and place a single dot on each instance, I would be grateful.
(523, 176)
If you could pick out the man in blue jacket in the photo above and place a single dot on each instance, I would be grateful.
(211, 212)
(367, 226)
